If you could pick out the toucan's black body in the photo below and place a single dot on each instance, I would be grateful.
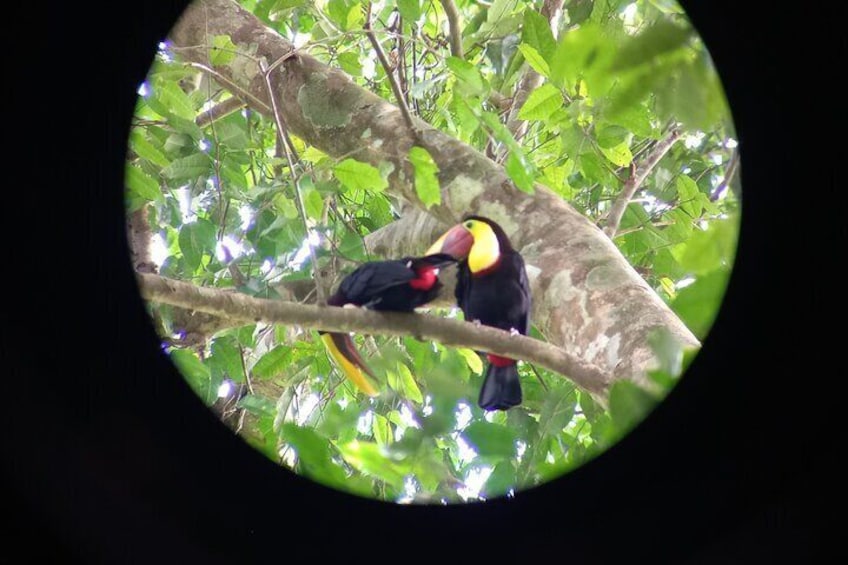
(400, 285)
(498, 296)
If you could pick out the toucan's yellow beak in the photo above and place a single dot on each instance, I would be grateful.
(456, 242)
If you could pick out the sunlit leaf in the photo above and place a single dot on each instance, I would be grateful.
(349, 62)
(536, 34)
(188, 168)
(146, 150)
(222, 51)
(357, 175)
(473, 360)
(409, 9)
(534, 59)
(197, 239)
(541, 103)
(272, 363)
(517, 171)
(142, 184)
(426, 181)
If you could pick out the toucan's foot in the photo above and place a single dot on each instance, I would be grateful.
(513, 331)
(477, 322)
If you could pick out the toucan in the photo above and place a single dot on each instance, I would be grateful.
(491, 289)
(400, 285)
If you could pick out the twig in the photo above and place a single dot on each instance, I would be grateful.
(729, 173)
(454, 333)
(404, 109)
(637, 177)
(455, 26)
(282, 134)
(219, 111)
(528, 83)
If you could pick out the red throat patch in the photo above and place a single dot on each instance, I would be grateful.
(425, 281)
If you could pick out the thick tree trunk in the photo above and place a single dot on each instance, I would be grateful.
(587, 298)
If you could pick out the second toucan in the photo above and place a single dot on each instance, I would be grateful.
(492, 288)
(400, 286)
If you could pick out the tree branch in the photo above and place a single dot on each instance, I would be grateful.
(455, 27)
(637, 177)
(219, 111)
(452, 333)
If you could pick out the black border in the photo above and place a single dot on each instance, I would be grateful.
(107, 457)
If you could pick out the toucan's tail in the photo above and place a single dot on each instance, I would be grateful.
(341, 349)
(501, 388)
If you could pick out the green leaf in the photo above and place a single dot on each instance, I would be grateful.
(410, 10)
(579, 10)
(141, 184)
(698, 303)
(313, 204)
(170, 99)
(313, 155)
(231, 132)
(188, 168)
(629, 404)
(426, 181)
(619, 155)
(517, 171)
(356, 175)
(536, 34)
(285, 206)
(382, 429)
(314, 454)
(146, 150)
(197, 239)
(401, 380)
(534, 59)
(222, 51)
(226, 358)
(710, 249)
(257, 405)
(491, 440)
(468, 74)
(662, 37)
(633, 117)
(501, 480)
(370, 459)
(272, 363)
(473, 360)
(612, 135)
(195, 372)
(541, 103)
(557, 411)
(687, 191)
(349, 62)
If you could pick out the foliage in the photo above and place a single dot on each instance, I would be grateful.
(226, 212)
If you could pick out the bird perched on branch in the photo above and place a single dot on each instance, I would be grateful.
(492, 289)
(400, 285)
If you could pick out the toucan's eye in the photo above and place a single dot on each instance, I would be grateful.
(469, 224)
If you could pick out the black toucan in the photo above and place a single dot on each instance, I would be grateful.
(400, 285)
(491, 288)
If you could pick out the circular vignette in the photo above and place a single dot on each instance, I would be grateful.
(621, 114)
